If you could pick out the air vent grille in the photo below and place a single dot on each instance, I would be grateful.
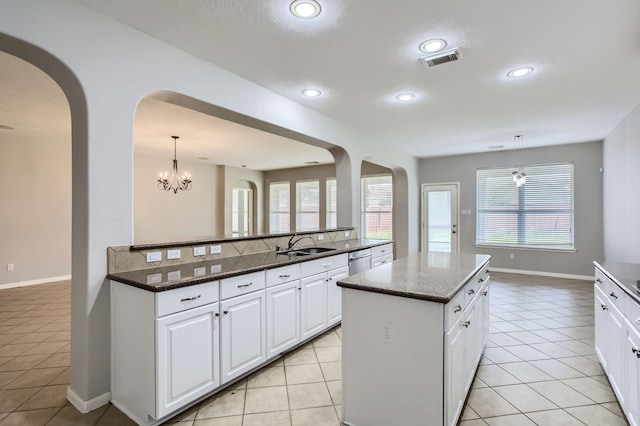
(441, 58)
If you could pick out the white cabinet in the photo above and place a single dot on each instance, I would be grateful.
(187, 357)
(313, 305)
(320, 297)
(334, 295)
(381, 255)
(242, 335)
(283, 317)
(164, 348)
(464, 343)
(617, 341)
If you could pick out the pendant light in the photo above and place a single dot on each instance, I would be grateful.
(519, 176)
(174, 182)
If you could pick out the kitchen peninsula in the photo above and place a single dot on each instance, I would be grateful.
(188, 324)
(413, 332)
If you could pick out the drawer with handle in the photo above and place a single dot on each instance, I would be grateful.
(180, 299)
(614, 293)
(453, 310)
(383, 250)
(473, 286)
(283, 274)
(242, 284)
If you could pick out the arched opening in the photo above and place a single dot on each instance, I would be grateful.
(86, 323)
(389, 204)
(243, 208)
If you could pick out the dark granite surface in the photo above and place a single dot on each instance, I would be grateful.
(625, 275)
(170, 277)
(432, 276)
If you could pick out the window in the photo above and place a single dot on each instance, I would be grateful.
(377, 207)
(538, 214)
(332, 203)
(307, 205)
(279, 207)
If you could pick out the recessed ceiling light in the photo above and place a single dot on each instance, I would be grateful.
(311, 93)
(432, 46)
(520, 72)
(405, 97)
(305, 9)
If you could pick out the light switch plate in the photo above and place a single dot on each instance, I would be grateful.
(154, 256)
(215, 249)
(173, 254)
(199, 251)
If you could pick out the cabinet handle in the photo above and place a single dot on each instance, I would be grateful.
(466, 324)
(604, 307)
(326, 265)
(457, 309)
(612, 294)
(484, 293)
(598, 280)
(471, 291)
(245, 285)
(284, 276)
(480, 280)
(217, 314)
(636, 351)
(638, 320)
(186, 299)
(225, 312)
(384, 261)
(382, 251)
(329, 279)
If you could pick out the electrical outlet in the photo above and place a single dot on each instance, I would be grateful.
(10, 267)
(346, 234)
(320, 237)
(216, 268)
(199, 251)
(174, 254)
(387, 332)
(154, 256)
(512, 256)
(215, 249)
(198, 272)
(154, 278)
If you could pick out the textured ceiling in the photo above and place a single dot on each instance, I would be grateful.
(361, 53)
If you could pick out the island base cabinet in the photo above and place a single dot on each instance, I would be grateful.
(242, 334)
(283, 317)
(188, 361)
(334, 295)
(454, 378)
(392, 360)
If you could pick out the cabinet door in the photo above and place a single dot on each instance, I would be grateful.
(632, 369)
(618, 336)
(334, 295)
(242, 342)
(601, 327)
(313, 305)
(187, 357)
(484, 326)
(283, 317)
(474, 317)
(454, 373)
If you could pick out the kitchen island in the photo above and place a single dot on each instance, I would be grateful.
(413, 334)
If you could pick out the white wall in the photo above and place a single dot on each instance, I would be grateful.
(35, 212)
(105, 68)
(621, 154)
(165, 216)
(588, 234)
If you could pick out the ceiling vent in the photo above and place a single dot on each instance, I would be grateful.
(441, 58)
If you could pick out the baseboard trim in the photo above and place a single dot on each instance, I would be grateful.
(90, 405)
(35, 282)
(545, 274)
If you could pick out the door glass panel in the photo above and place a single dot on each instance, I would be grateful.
(439, 230)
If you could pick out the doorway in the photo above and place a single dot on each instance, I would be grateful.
(242, 207)
(439, 217)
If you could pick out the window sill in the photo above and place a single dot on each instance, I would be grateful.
(527, 248)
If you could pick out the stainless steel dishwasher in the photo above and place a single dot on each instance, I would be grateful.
(359, 261)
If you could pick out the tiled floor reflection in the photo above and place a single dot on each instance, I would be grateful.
(539, 367)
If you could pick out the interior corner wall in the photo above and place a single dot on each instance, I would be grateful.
(35, 217)
(165, 216)
(621, 155)
(588, 199)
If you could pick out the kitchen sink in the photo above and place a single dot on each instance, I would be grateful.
(305, 251)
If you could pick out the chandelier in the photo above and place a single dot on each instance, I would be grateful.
(519, 176)
(174, 182)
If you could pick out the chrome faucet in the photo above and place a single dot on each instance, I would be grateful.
(293, 243)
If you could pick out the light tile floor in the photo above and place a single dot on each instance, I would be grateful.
(539, 367)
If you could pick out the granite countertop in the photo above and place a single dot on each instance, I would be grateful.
(625, 275)
(182, 275)
(432, 276)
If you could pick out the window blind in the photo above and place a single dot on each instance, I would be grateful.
(538, 214)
